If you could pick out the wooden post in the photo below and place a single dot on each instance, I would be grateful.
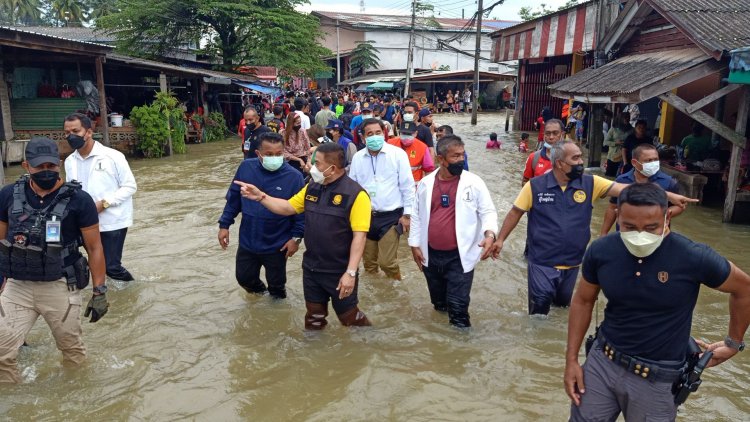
(734, 161)
(102, 100)
(163, 88)
(596, 134)
(163, 83)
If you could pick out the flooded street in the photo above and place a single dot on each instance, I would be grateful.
(185, 342)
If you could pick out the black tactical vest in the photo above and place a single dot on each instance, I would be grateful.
(25, 254)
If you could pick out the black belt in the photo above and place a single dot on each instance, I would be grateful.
(396, 211)
(644, 368)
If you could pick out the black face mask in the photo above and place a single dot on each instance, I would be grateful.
(456, 168)
(576, 171)
(428, 124)
(75, 141)
(46, 179)
(297, 127)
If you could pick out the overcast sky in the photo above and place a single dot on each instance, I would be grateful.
(443, 8)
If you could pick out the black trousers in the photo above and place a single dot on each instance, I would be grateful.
(247, 272)
(612, 168)
(449, 285)
(113, 243)
(320, 287)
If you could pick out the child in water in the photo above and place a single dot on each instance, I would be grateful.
(493, 143)
(523, 146)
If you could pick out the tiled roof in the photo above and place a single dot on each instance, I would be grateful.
(67, 34)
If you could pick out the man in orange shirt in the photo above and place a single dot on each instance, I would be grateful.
(420, 159)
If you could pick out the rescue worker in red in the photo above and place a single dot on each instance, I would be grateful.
(419, 155)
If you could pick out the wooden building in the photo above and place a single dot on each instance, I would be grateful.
(678, 53)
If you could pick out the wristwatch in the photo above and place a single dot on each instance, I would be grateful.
(105, 204)
(352, 273)
(731, 343)
(100, 290)
(297, 240)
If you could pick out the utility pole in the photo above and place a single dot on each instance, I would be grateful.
(338, 55)
(475, 102)
(410, 60)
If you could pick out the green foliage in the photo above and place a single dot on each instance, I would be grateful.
(20, 12)
(69, 12)
(364, 56)
(156, 122)
(528, 13)
(240, 32)
(214, 126)
(444, 67)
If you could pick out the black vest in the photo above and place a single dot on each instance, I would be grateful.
(25, 254)
(328, 232)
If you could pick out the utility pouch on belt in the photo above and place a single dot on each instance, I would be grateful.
(590, 340)
(53, 262)
(34, 262)
(18, 259)
(690, 379)
(77, 274)
(5, 248)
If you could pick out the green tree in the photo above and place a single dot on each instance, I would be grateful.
(69, 12)
(364, 56)
(240, 32)
(15, 12)
(100, 8)
(528, 13)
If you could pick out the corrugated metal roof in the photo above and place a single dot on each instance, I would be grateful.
(629, 74)
(404, 22)
(151, 64)
(51, 33)
(716, 25)
(72, 33)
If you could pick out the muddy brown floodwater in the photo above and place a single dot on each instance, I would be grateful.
(183, 342)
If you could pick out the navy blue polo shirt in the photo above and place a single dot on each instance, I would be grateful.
(662, 179)
(650, 300)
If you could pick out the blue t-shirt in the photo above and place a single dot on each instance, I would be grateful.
(662, 179)
(356, 121)
(81, 213)
(262, 231)
(650, 300)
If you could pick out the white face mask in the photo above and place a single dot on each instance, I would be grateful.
(643, 244)
(317, 175)
(409, 117)
(650, 169)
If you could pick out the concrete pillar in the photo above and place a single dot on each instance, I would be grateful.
(7, 129)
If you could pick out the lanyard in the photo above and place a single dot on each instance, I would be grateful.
(373, 163)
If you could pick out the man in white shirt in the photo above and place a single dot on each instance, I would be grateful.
(104, 174)
(302, 107)
(383, 170)
(453, 226)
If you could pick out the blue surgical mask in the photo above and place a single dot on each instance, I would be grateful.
(547, 145)
(272, 163)
(375, 142)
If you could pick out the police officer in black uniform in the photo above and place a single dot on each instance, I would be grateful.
(651, 278)
(43, 222)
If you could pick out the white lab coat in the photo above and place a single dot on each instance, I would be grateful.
(109, 179)
(475, 214)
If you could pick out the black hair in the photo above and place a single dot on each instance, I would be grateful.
(84, 119)
(271, 138)
(638, 151)
(523, 135)
(412, 104)
(447, 130)
(277, 109)
(493, 136)
(446, 142)
(326, 101)
(333, 153)
(641, 122)
(300, 103)
(368, 122)
(643, 195)
(697, 129)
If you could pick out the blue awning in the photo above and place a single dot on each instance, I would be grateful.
(263, 89)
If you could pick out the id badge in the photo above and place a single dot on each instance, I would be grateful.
(53, 231)
(445, 201)
(246, 145)
(372, 189)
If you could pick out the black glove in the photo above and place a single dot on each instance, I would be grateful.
(98, 305)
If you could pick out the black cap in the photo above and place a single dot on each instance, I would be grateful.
(407, 127)
(42, 150)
